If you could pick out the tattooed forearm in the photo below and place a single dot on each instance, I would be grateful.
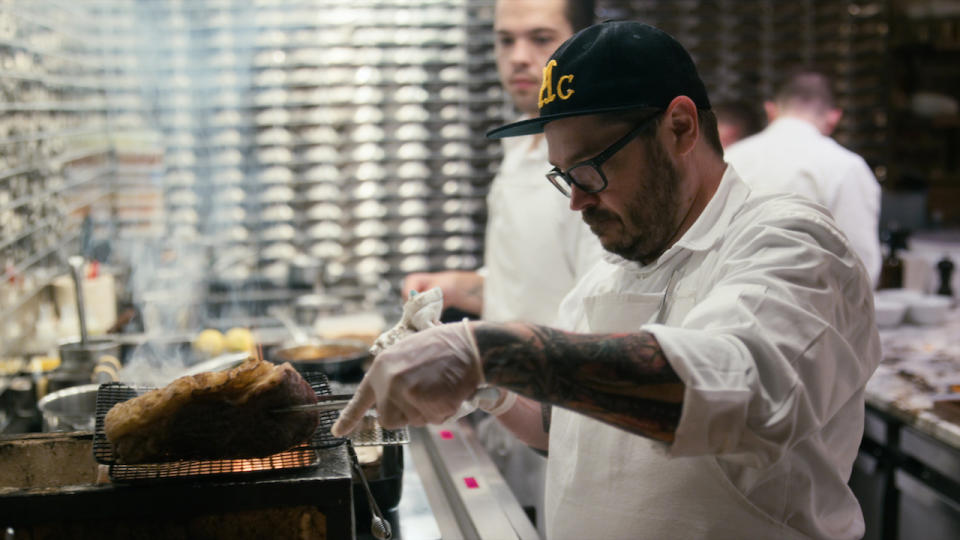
(621, 379)
(475, 291)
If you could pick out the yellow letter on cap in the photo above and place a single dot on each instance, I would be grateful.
(546, 87)
(560, 93)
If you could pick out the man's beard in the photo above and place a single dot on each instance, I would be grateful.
(652, 211)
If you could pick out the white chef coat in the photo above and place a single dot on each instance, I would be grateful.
(792, 155)
(766, 315)
(536, 249)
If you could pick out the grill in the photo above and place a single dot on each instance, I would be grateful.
(303, 456)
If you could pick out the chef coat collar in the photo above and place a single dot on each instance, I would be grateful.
(795, 125)
(709, 227)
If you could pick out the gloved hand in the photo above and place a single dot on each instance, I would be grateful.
(420, 312)
(422, 379)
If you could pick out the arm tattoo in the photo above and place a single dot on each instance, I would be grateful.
(475, 291)
(621, 379)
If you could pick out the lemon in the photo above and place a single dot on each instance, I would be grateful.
(209, 342)
(239, 340)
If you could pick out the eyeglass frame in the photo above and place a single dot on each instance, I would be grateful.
(596, 162)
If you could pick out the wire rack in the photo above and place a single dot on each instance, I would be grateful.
(299, 457)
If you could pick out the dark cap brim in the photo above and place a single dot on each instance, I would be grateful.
(535, 125)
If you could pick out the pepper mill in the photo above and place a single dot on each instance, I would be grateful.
(891, 271)
(945, 267)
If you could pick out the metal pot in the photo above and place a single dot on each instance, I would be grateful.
(305, 272)
(341, 360)
(81, 357)
(70, 409)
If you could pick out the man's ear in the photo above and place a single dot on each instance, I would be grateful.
(830, 121)
(681, 121)
(772, 110)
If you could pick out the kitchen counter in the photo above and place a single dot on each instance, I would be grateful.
(452, 490)
(918, 363)
(49, 484)
(907, 474)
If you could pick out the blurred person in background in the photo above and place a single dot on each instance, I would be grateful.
(707, 375)
(796, 154)
(535, 248)
(737, 120)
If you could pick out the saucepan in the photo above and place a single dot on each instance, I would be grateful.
(340, 359)
(70, 409)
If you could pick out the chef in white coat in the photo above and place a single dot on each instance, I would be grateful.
(707, 376)
(523, 212)
(535, 249)
(796, 154)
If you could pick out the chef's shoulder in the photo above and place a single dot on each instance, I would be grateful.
(789, 226)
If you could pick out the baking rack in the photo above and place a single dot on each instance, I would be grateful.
(299, 457)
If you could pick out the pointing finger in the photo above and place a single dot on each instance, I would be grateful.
(353, 413)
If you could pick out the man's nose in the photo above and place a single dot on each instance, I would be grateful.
(521, 54)
(580, 199)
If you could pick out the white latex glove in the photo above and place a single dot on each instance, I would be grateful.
(420, 312)
(422, 379)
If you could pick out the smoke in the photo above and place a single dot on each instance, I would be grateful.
(153, 366)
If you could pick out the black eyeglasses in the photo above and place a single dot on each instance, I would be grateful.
(587, 175)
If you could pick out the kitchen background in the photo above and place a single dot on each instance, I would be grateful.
(213, 153)
(216, 161)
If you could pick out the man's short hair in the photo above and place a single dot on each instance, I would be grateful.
(580, 13)
(746, 116)
(706, 119)
(806, 89)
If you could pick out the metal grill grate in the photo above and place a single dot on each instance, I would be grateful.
(109, 394)
(297, 458)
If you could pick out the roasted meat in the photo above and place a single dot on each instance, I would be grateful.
(214, 416)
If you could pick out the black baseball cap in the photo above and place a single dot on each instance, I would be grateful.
(609, 67)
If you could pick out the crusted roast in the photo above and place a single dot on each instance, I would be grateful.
(214, 416)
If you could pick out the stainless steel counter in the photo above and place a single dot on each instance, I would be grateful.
(452, 490)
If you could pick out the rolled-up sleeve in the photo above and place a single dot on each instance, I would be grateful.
(783, 338)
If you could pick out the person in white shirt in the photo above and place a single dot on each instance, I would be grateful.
(535, 248)
(707, 377)
(523, 215)
(796, 154)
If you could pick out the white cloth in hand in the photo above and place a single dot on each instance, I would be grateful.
(422, 379)
(420, 312)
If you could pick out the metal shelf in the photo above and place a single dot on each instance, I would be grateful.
(46, 196)
(49, 80)
(44, 136)
(37, 227)
(17, 44)
(21, 300)
(53, 106)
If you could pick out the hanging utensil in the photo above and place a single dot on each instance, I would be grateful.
(76, 271)
(379, 526)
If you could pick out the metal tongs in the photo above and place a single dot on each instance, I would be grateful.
(333, 402)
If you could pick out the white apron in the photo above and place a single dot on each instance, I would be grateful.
(607, 484)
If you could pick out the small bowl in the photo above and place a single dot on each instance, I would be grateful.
(929, 310)
(889, 313)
